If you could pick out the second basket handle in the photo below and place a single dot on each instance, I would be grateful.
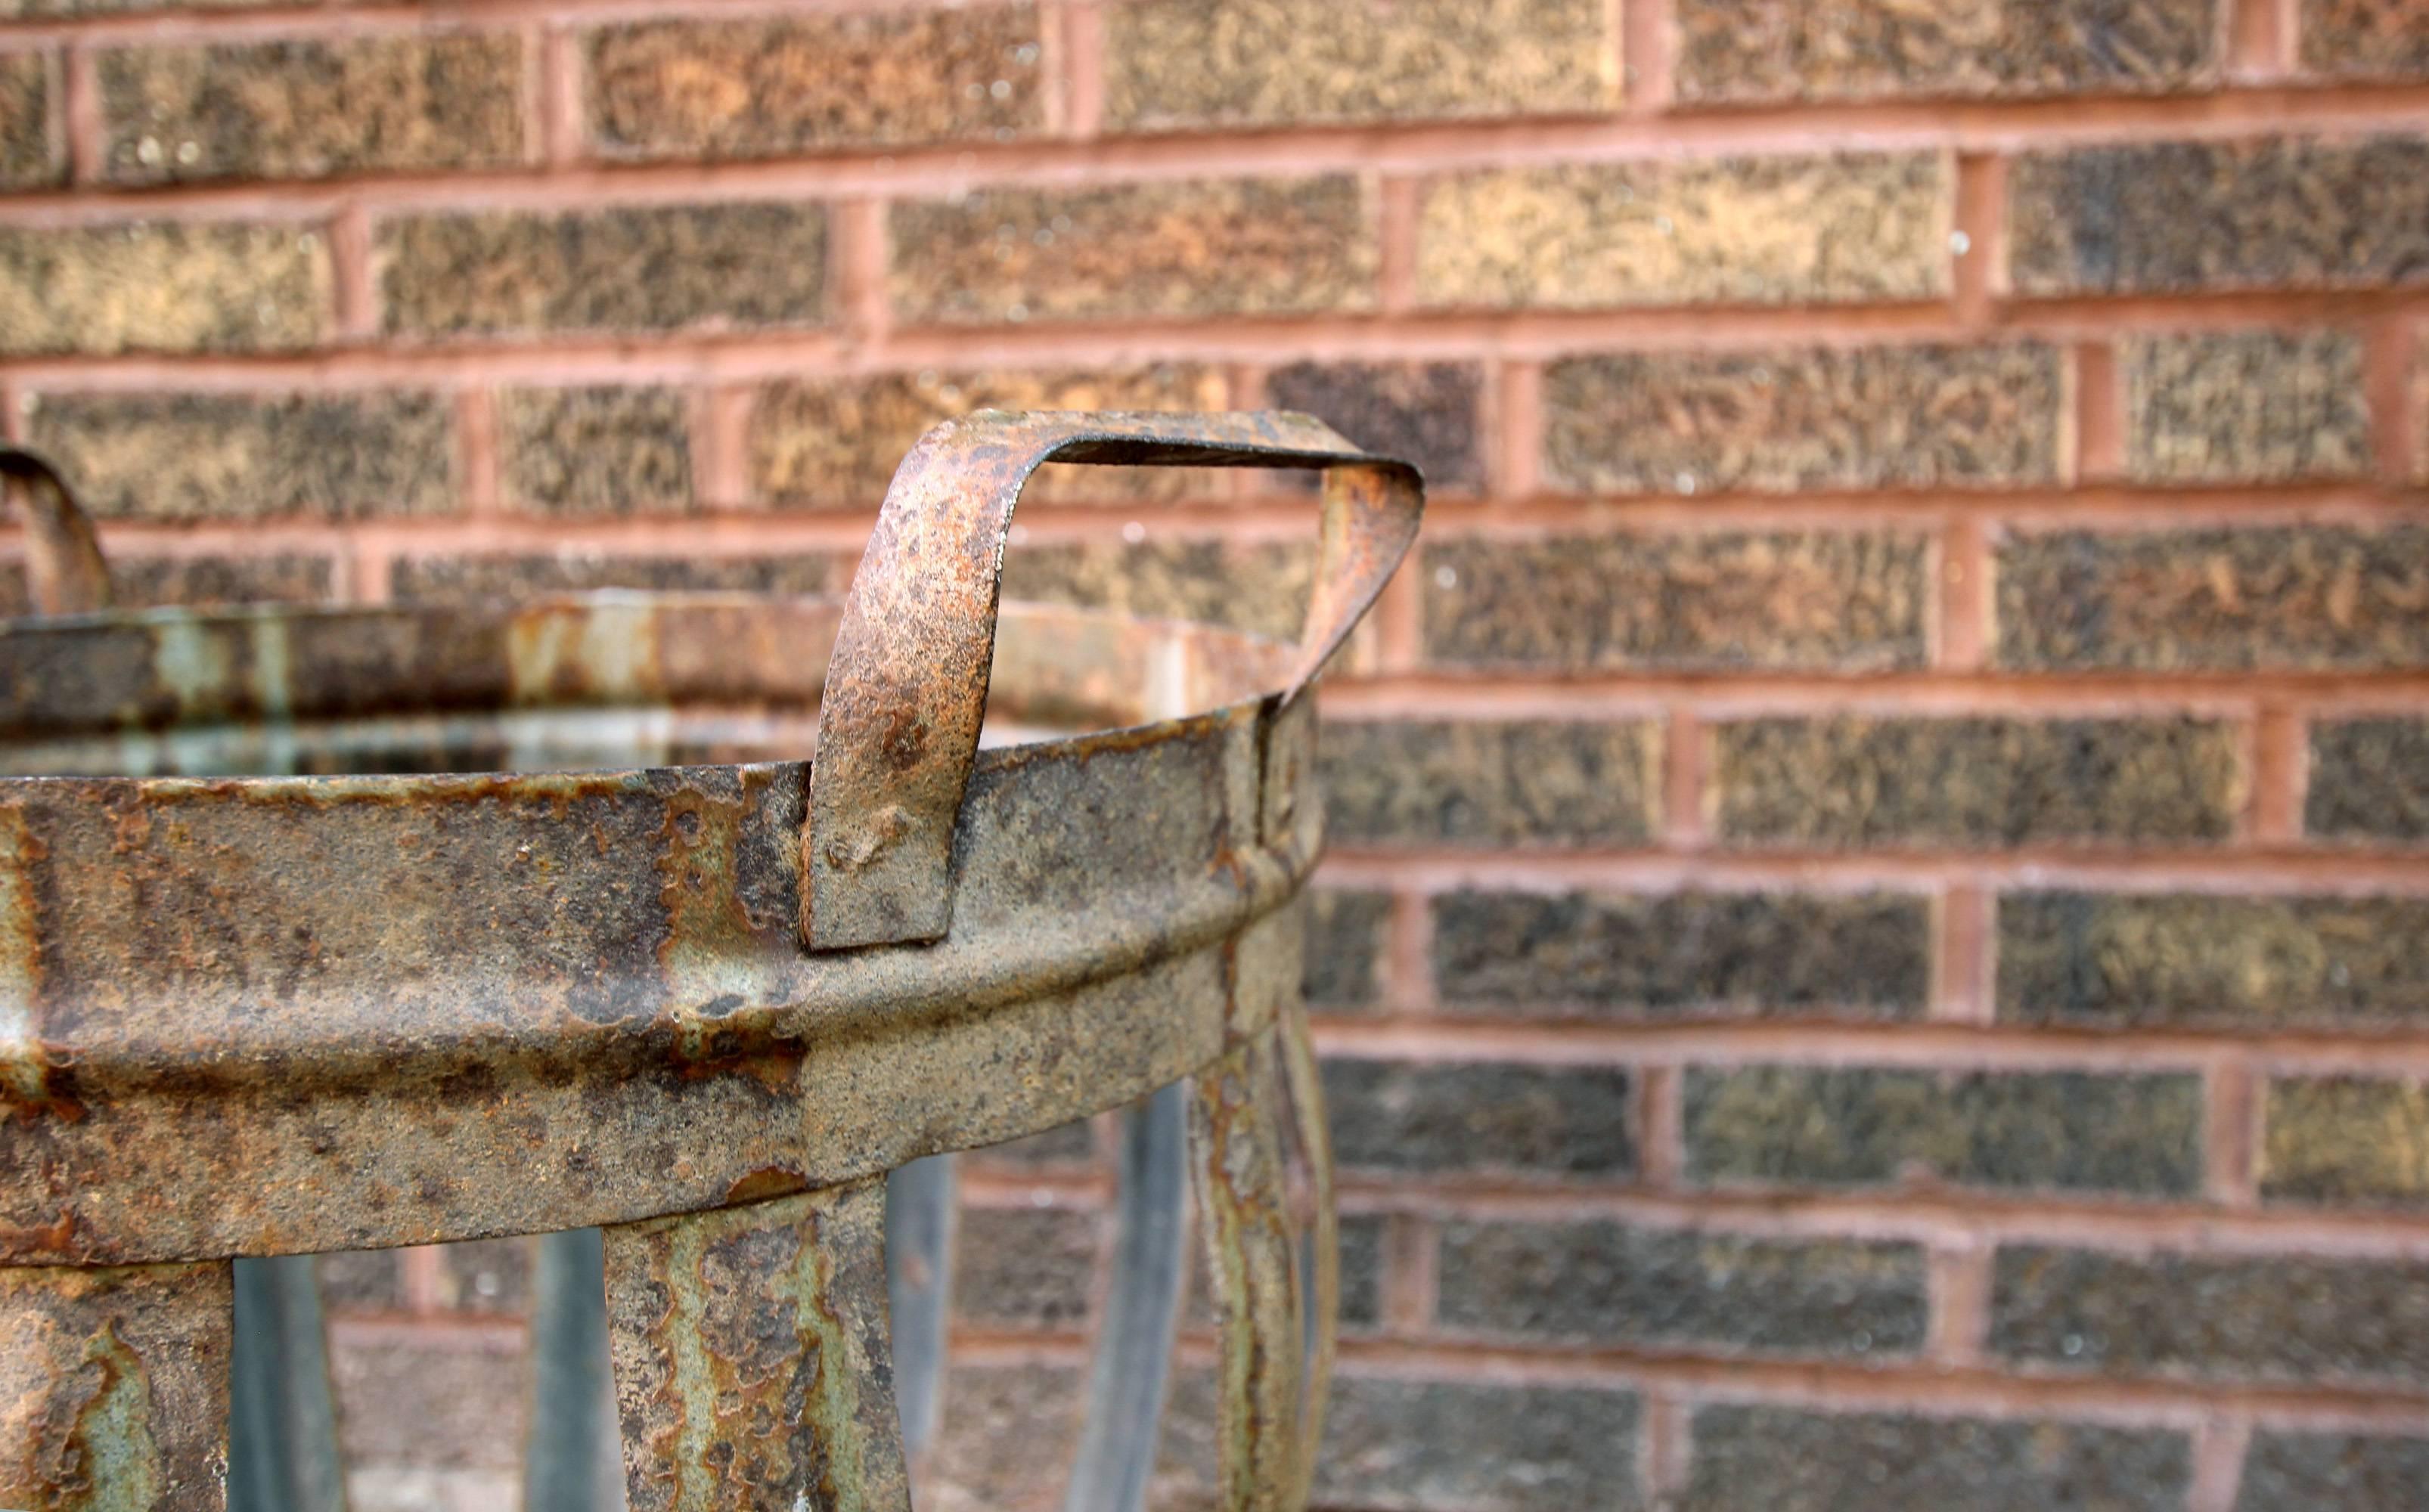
(906, 689)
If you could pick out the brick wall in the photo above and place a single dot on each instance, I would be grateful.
(1869, 951)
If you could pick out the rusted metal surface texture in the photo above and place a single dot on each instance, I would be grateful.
(554, 928)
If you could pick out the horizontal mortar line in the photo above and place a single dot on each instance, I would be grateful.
(2224, 870)
(1822, 693)
(934, 169)
(1924, 1216)
(1905, 1386)
(1911, 1044)
(708, 355)
(1453, 518)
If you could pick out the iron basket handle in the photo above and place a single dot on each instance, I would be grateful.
(907, 685)
(65, 572)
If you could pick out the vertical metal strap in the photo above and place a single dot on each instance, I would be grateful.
(752, 1363)
(113, 1387)
(1133, 1362)
(282, 1418)
(1236, 1132)
(572, 1463)
(1321, 1267)
(919, 1202)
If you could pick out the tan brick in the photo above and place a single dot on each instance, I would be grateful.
(306, 109)
(838, 442)
(1883, 1125)
(1262, 588)
(2317, 597)
(2347, 1139)
(596, 451)
(636, 267)
(1748, 50)
(1261, 246)
(2368, 780)
(1181, 64)
(2185, 217)
(1976, 783)
(1500, 783)
(2365, 38)
(1731, 231)
(245, 457)
(2258, 407)
(29, 150)
(1810, 417)
(1715, 602)
(1761, 1455)
(490, 578)
(2114, 960)
(2292, 1471)
(160, 286)
(156, 582)
(1424, 413)
(759, 87)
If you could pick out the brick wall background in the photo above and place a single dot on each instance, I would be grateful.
(1872, 954)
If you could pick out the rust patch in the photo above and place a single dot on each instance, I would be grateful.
(765, 1182)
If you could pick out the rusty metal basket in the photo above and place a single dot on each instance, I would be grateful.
(704, 1007)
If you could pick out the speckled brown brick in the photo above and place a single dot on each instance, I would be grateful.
(421, 1402)
(1258, 587)
(1477, 1446)
(306, 109)
(1423, 412)
(1782, 1459)
(1361, 1272)
(2347, 1139)
(1066, 1145)
(640, 267)
(14, 10)
(359, 1281)
(2186, 957)
(1243, 246)
(490, 1276)
(247, 456)
(1024, 1266)
(162, 285)
(1395, 1115)
(759, 87)
(2185, 217)
(2368, 780)
(29, 150)
(1005, 1439)
(1778, 51)
(2240, 1317)
(2324, 597)
(475, 578)
(1549, 783)
(1672, 954)
(2244, 406)
(1182, 64)
(2365, 38)
(1592, 1283)
(1729, 231)
(2289, 1471)
(284, 577)
(1804, 419)
(1345, 942)
(1804, 601)
(596, 451)
(1856, 781)
(1875, 1125)
(837, 442)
